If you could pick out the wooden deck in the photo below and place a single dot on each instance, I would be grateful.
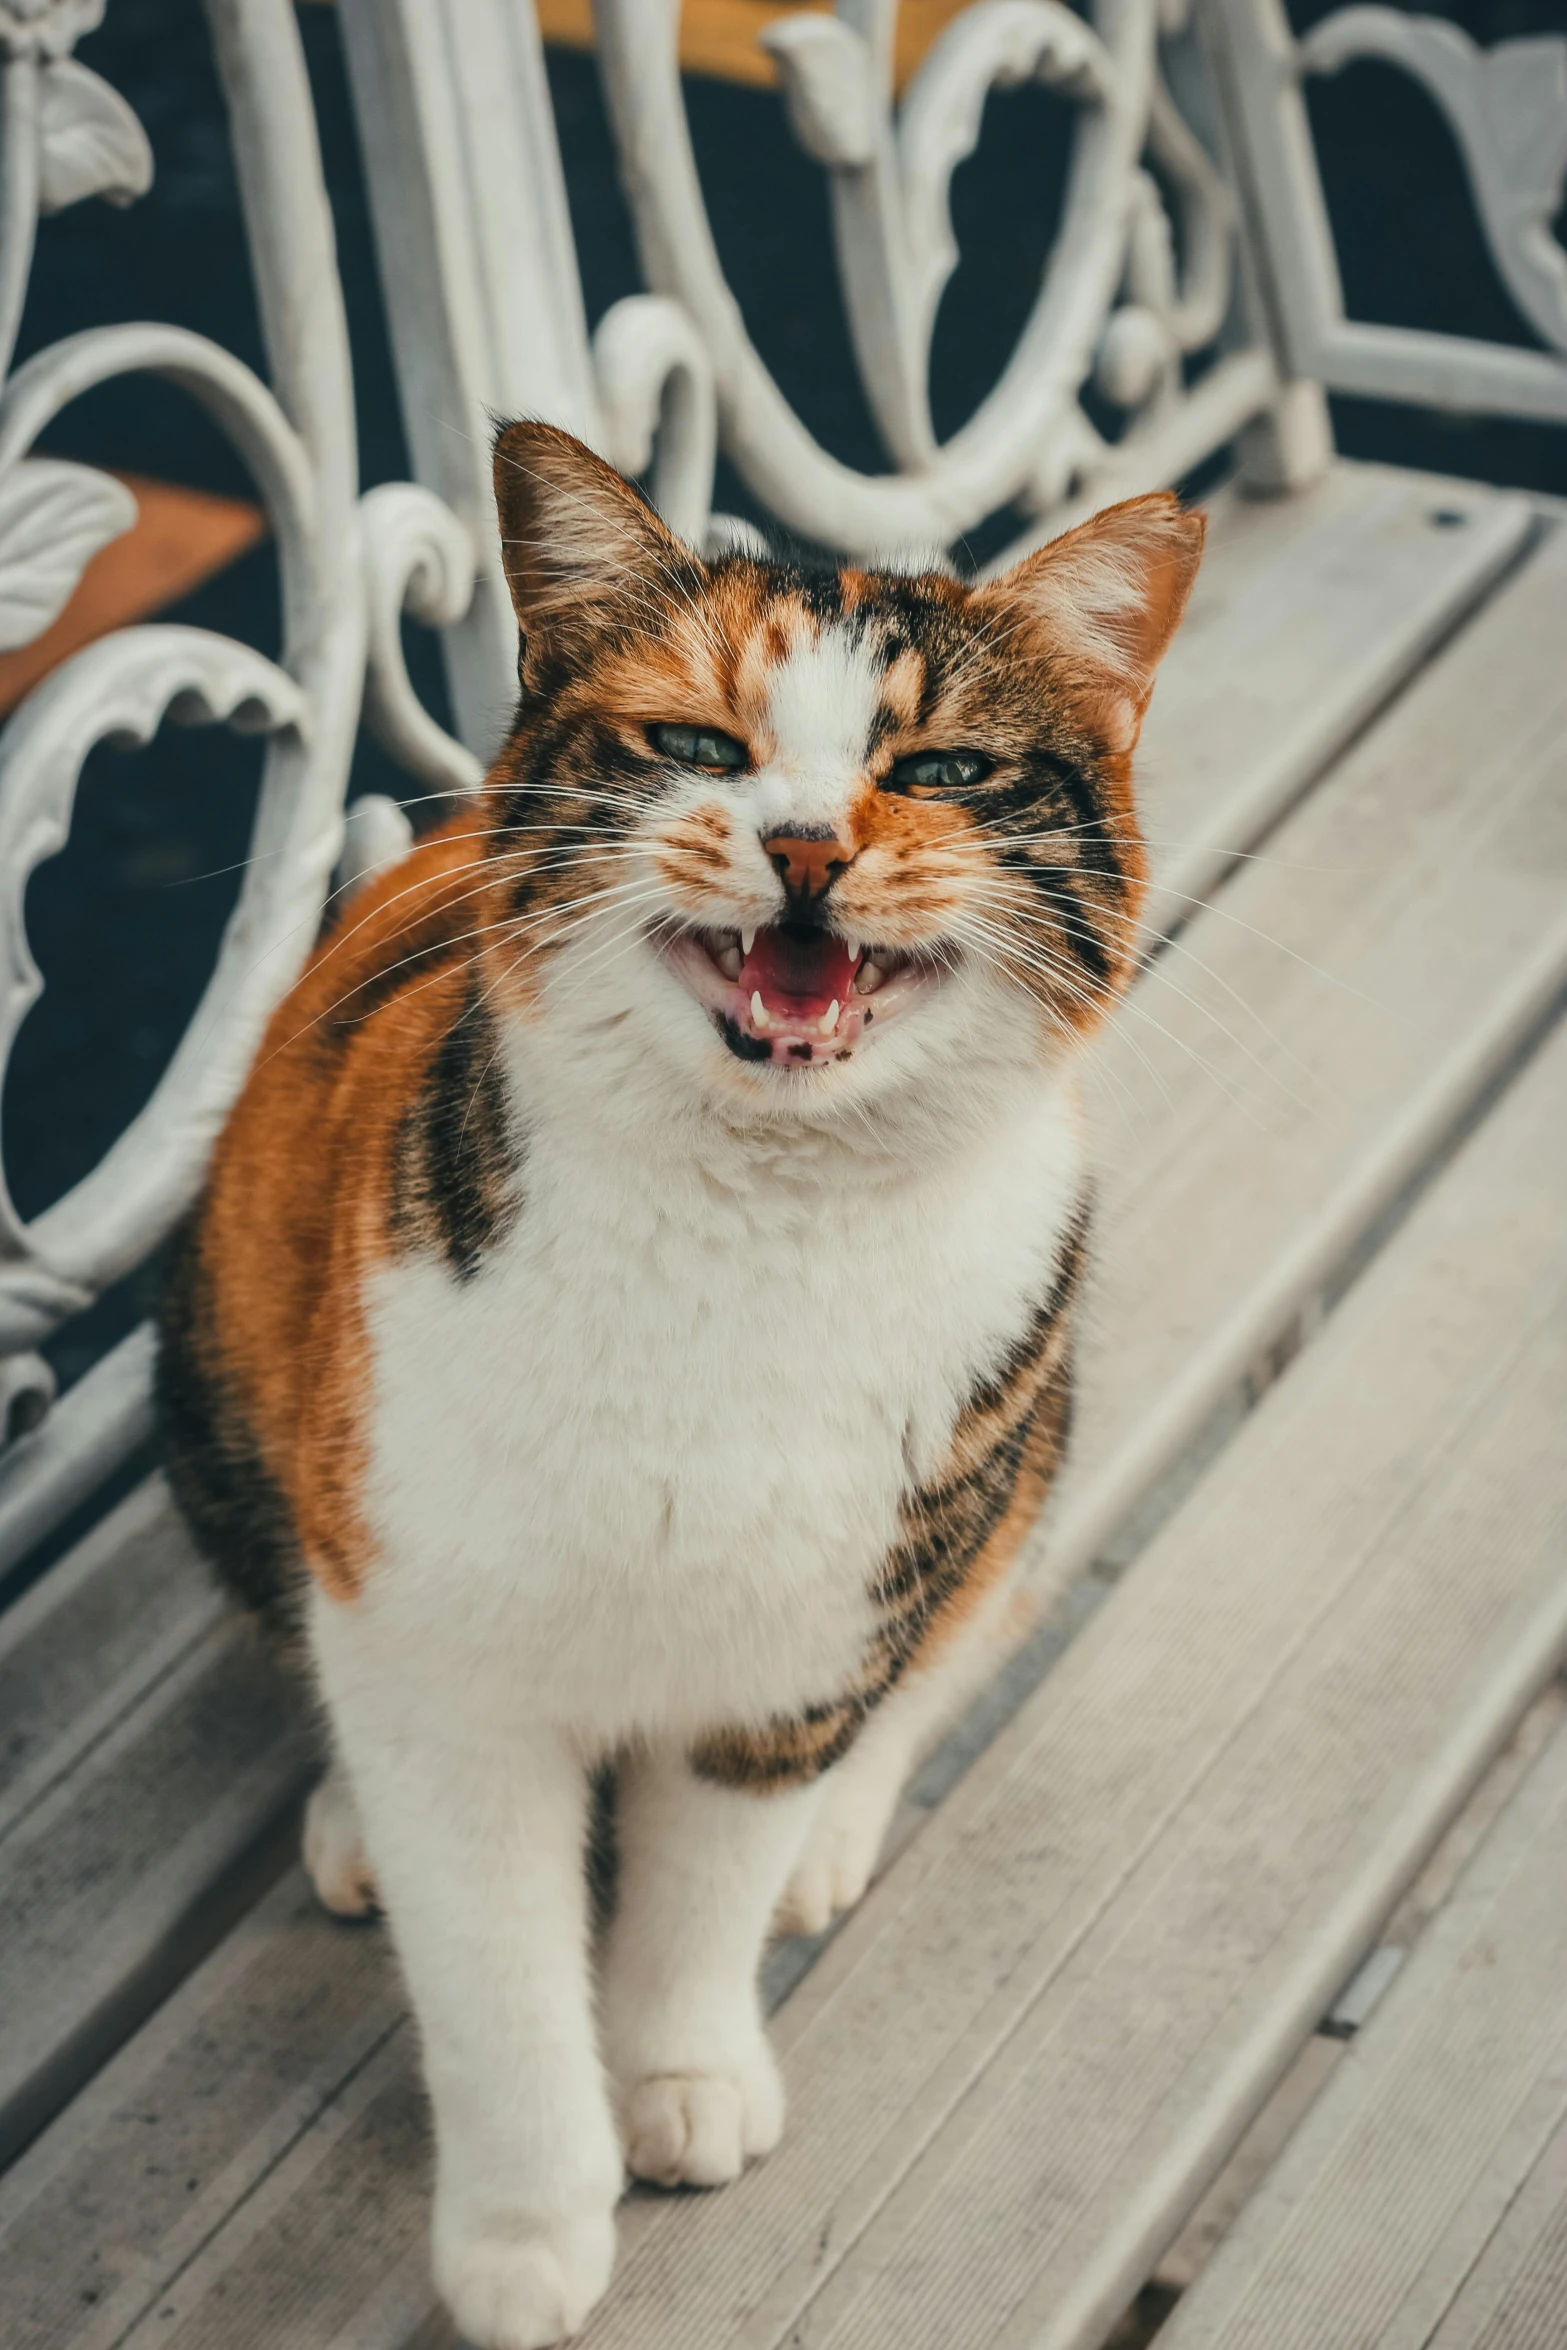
(1315, 1520)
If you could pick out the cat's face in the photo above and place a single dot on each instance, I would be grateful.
(817, 833)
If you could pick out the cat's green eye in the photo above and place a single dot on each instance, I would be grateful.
(937, 771)
(699, 746)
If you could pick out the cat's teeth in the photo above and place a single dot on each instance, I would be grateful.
(869, 977)
(852, 949)
(728, 960)
(747, 941)
(829, 1019)
(760, 1016)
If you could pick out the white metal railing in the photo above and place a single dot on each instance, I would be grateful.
(1224, 323)
(1507, 109)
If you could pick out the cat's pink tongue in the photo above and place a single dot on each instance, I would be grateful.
(797, 974)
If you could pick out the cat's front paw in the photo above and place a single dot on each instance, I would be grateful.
(334, 1852)
(841, 1850)
(700, 2129)
(524, 2290)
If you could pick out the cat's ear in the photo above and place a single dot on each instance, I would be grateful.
(1102, 602)
(572, 529)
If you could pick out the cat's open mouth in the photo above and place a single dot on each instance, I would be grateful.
(791, 994)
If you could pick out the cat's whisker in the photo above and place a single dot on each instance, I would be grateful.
(648, 896)
(1037, 961)
(1207, 1012)
(1135, 1009)
(446, 905)
(1287, 1051)
(999, 946)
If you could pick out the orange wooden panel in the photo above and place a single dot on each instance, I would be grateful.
(718, 37)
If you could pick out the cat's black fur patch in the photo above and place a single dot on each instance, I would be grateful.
(456, 1162)
(234, 1507)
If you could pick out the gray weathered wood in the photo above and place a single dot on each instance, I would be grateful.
(1282, 596)
(129, 1600)
(135, 2175)
(1424, 2201)
(1003, 2108)
(44, 1475)
(151, 1750)
(1516, 2298)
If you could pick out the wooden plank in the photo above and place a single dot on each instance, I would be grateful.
(138, 2173)
(1221, 2206)
(180, 537)
(1447, 2114)
(153, 1749)
(1270, 545)
(1283, 596)
(1516, 2297)
(130, 1598)
(878, 2051)
(95, 1426)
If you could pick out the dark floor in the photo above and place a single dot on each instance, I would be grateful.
(124, 922)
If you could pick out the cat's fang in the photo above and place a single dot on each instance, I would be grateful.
(829, 1019)
(747, 942)
(761, 1018)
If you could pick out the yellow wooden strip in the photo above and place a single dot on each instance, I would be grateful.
(719, 37)
(179, 538)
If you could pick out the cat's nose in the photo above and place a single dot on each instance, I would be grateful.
(808, 860)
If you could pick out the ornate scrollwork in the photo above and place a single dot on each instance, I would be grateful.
(655, 386)
(46, 28)
(90, 142)
(347, 571)
(1507, 107)
(998, 46)
(418, 558)
(116, 691)
(1135, 302)
(53, 519)
(890, 171)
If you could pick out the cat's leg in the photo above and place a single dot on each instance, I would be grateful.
(860, 1794)
(477, 1841)
(700, 1870)
(334, 1847)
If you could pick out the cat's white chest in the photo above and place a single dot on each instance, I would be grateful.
(641, 1470)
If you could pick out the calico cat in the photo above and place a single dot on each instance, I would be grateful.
(628, 1318)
